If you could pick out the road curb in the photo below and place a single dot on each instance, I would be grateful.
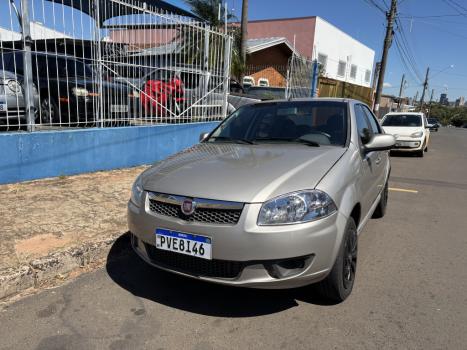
(55, 265)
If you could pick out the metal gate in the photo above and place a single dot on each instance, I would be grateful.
(68, 63)
(302, 75)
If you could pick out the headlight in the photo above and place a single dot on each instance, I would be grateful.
(296, 208)
(14, 86)
(417, 134)
(80, 92)
(137, 192)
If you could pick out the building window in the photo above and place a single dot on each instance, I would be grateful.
(323, 61)
(353, 71)
(367, 76)
(341, 68)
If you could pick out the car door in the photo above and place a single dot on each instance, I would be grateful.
(427, 130)
(382, 157)
(368, 179)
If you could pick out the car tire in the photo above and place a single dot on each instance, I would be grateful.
(338, 285)
(48, 111)
(380, 210)
(420, 153)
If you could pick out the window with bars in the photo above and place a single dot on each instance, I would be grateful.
(367, 76)
(353, 71)
(323, 60)
(341, 68)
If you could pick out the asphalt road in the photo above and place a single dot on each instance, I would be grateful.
(410, 292)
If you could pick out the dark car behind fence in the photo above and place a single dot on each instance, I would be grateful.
(101, 63)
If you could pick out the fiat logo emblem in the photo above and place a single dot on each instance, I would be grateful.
(188, 206)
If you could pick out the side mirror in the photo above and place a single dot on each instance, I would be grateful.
(203, 136)
(383, 142)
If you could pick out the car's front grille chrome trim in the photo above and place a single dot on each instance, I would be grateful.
(207, 210)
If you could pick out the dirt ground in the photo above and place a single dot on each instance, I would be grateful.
(42, 216)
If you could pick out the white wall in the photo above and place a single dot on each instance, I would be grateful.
(338, 45)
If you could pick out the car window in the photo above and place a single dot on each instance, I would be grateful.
(363, 127)
(409, 120)
(375, 128)
(322, 122)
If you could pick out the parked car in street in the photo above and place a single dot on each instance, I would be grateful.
(410, 130)
(433, 124)
(69, 90)
(264, 93)
(12, 102)
(274, 197)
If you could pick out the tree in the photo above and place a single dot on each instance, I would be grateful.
(208, 10)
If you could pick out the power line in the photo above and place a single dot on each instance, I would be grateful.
(456, 7)
(376, 5)
(407, 51)
(432, 16)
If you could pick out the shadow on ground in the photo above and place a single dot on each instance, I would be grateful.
(402, 154)
(142, 280)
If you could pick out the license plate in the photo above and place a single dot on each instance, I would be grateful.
(3, 107)
(118, 108)
(184, 243)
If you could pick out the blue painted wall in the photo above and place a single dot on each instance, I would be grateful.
(29, 156)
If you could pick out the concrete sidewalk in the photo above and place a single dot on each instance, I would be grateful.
(51, 227)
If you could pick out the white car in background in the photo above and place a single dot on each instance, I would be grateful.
(410, 130)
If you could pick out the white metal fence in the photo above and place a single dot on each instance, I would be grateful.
(299, 77)
(79, 63)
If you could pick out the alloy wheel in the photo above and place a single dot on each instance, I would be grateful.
(350, 259)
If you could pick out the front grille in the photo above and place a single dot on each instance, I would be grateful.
(193, 265)
(204, 215)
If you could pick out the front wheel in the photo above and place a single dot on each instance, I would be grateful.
(48, 111)
(338, 285)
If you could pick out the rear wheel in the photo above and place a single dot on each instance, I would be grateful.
(338, 285)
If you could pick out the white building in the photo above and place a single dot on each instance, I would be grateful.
(343, 57)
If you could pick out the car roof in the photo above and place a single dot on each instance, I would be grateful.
(405, 113)
(311, 99)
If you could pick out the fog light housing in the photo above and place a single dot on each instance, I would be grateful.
(288, 267)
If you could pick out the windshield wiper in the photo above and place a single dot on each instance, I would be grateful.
(307, 142)
(234, 140)
(286, 139)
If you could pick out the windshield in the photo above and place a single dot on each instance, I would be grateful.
(402, 120)
(309, 122)
(432, 120)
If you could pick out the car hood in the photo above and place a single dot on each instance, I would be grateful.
(241, 173)
(402, 130)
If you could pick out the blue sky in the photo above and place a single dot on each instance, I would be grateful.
(438, 42)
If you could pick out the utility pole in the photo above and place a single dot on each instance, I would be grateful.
(391, 15)
(425, 86)
(375, 80)
(415, 98)
(400, 92)
(244, 33)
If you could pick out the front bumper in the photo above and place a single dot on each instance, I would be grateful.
(409, 144)
(274, 257)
